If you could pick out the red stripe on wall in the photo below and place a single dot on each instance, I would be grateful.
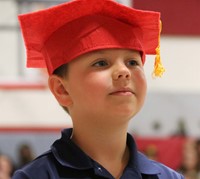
(22, 86)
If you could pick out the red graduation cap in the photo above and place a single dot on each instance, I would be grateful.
(59, 34)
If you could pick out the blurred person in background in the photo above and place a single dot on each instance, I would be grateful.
(151, 151)
(198, 149)
(25, 154)
(190, 161)
(6, 167)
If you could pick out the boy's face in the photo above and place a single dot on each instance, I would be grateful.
(106, 83)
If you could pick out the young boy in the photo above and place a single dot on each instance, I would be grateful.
(94, 51)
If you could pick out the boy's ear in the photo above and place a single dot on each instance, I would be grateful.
(58, 87)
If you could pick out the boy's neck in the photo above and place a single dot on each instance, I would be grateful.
(105, 145)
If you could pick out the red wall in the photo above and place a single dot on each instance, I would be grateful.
(179, 17)
(169, 150)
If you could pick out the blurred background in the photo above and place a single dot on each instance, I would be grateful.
(166, 127)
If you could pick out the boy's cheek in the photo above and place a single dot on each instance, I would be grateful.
(141, 83)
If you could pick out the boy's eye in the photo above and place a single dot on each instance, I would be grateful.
(133, 62)
(100, 63)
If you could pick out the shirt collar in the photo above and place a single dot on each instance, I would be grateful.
(144, 165)
(70, 155)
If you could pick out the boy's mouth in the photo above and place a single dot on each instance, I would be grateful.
(122, 92)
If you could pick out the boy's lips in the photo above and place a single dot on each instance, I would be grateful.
(122, 92)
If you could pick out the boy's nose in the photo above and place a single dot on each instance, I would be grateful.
(121, 73)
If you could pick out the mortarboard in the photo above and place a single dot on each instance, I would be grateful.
(57, 35)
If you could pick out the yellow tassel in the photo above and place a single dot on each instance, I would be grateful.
(158, 67)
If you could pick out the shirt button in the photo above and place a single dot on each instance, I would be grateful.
(99, 169)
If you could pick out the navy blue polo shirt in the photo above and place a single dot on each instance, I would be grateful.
(65, 160)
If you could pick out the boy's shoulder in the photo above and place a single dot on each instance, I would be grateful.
(44, 166)
(148, 166)
(47, 165)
